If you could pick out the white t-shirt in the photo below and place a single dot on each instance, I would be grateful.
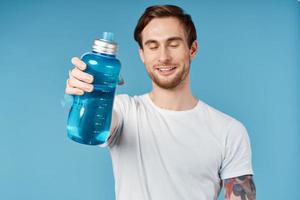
(161, 154)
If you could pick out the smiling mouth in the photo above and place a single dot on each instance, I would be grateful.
(164, 68)
(167, 69)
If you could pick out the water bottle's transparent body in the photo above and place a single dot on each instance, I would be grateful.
(90, 115)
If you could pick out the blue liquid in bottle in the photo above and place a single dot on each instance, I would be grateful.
(90, 115)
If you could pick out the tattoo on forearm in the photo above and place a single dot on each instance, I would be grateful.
(242, 186)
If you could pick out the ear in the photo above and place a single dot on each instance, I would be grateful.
(194, 49)
(141, 52)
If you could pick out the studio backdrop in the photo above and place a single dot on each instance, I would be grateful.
(248, 66)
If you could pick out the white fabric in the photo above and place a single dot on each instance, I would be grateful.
(160, 154)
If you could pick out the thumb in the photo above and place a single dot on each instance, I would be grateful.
(121, 80)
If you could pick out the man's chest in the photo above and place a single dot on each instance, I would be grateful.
(178, 145)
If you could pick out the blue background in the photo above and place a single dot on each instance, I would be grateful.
(247, 66)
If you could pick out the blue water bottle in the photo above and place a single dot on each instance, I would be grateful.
(90, 115)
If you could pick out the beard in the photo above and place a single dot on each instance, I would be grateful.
(172, 81)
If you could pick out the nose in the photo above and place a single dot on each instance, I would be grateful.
(164, 55)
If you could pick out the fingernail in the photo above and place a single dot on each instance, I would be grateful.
(90, 79)
(83, 66)
(90, 88)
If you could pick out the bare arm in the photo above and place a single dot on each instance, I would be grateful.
(240, 188)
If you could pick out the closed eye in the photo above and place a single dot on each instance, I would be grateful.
(174, 43)
(151, 44)
(153, 47)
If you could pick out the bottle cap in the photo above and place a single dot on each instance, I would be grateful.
(106, 44)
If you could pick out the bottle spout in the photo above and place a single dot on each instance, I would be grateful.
(108, 36)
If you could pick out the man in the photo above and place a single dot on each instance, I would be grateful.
(167, 144)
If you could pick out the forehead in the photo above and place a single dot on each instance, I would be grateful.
(161, 29)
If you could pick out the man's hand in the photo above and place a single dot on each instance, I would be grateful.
(240, 188)
(78, 81)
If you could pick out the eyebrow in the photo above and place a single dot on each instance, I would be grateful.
(168, 40)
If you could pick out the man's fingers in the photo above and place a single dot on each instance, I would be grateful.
(75, 83)
(74, 91)
(80, 75)
(78, 81)
(78, 63)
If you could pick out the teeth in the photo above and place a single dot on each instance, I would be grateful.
(166, 69)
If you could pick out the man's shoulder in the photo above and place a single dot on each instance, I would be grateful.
(127, 97)
(219, 118)
(122, 97)
(128, 100)
(215, 113)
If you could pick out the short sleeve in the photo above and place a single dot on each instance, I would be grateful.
(237, 156)
(118, 113)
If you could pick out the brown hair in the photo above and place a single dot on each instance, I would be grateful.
(160, 11)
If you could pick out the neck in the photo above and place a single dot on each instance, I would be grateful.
(179, 98)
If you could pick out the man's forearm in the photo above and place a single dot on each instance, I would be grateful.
(240, 188)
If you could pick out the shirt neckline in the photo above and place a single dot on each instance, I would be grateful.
(147, 97)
